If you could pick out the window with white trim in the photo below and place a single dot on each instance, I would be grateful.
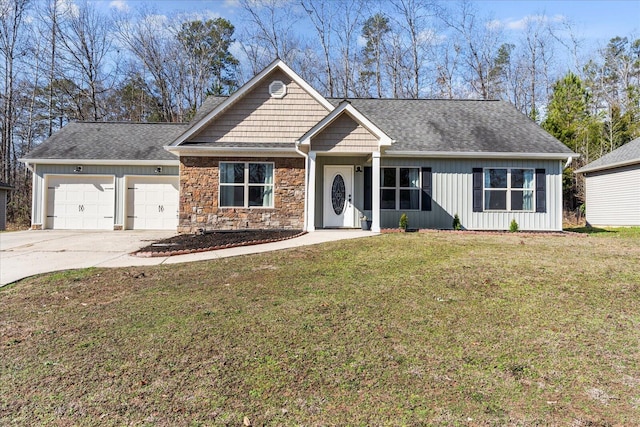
(246, 185)
(400, 188)
(509, 189)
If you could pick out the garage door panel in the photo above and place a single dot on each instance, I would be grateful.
(80, 202)
(152, 203)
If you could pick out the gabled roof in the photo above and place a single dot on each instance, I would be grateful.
(345, 107)
(458, 127)
(108, 141)
(628, 154)
(204, 119)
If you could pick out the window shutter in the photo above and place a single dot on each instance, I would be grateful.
(541, 191)
(477, 189)
(426, 189)
(368, 186)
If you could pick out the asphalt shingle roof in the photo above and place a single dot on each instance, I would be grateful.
(110, 141)
(627, 154)
(457, 126)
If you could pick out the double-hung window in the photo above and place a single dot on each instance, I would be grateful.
(246, 185)
(509, 189)
(400, 188)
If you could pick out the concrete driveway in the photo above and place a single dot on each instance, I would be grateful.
(25, 253)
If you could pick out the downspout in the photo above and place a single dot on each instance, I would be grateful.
(306, 182)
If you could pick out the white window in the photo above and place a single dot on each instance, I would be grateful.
(246, 185)
(400, 189)
(509, 189)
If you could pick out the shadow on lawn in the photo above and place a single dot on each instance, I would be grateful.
(588, 230)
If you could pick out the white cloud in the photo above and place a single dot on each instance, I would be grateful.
(69, 6)
(120, 5)
(521, 24)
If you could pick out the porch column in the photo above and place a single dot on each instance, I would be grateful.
(311, 196)
(375, 190)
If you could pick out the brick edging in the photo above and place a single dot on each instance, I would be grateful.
(489, 232)
(212, 248)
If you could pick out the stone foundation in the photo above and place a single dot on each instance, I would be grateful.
(199, 181)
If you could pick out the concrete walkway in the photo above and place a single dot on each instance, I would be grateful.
(26, 253)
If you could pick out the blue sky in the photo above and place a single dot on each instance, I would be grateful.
(595, 21)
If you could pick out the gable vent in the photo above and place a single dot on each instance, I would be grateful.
(277, 89)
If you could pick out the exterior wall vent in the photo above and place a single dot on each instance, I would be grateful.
(277, 89)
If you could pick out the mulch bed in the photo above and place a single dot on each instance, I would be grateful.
(212, 240)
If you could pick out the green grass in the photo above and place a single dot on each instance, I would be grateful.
(401, 329)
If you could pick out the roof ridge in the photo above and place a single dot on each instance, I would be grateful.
(124, 122)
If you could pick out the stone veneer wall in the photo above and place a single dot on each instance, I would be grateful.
(199, 197)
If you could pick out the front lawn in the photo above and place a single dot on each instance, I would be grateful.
(401, 329)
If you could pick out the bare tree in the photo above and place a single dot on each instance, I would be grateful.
(12, 14)
(86, 46)
(149, 40)
(270, 32)
(320, 15)
(478, 42)
(413, 18)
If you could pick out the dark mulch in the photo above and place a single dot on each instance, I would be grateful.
(211, 240)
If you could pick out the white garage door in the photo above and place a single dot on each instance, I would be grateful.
(152, 203)
(80, 202)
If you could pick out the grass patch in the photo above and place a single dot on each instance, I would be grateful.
(401, 329)
(624, 232)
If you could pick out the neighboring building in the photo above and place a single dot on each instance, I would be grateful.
(4, 191)
(613, 187)
(277, 154)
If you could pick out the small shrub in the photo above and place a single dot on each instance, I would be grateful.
(456, 222)
(404, 221)
(513, 227)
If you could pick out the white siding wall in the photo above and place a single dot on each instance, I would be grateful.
(613, 197)
(120, 191)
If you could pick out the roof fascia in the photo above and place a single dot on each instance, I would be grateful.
(232, 151)
(345, 106)
(480, 155)
(616, 165)
(232, 99)
(100, 162)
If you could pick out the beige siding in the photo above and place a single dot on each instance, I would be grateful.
(344, 135)
(257, 117)
(613, 197)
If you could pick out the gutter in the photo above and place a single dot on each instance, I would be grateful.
(478, 155)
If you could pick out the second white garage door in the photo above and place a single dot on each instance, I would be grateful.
(152, 202)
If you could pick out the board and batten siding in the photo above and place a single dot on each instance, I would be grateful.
(452, 185)
(452, 193)
(3, 208)
(613, 197)
(260, 118)
(119, 172)
(351, 137)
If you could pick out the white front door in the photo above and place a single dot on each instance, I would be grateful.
(338, 197)
(152, 202)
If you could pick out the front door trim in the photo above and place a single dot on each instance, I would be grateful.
(334, 216)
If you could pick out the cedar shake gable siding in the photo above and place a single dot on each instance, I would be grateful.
(260, 118)
(199, 203)
(345, 135)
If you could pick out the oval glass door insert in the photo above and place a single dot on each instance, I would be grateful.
(338, 194)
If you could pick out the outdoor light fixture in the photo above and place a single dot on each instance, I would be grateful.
(159, 169)
(77, 169)
(358, 168)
